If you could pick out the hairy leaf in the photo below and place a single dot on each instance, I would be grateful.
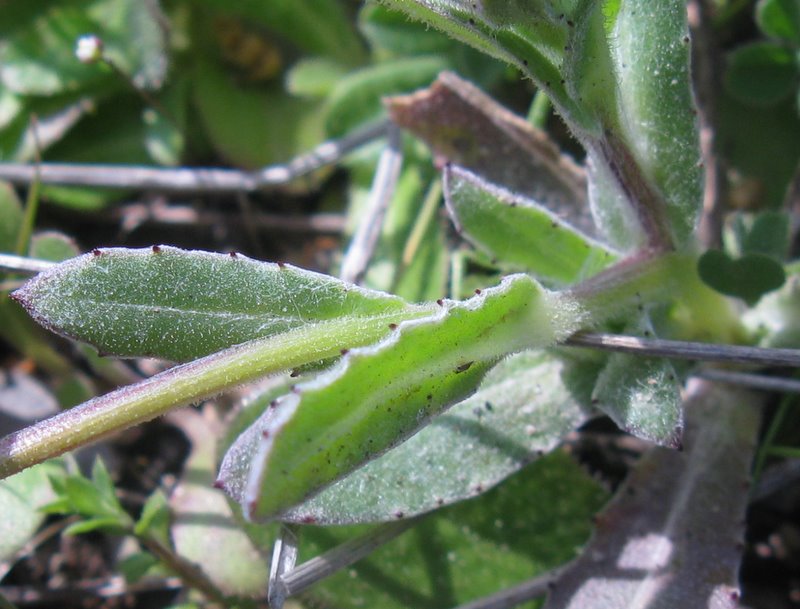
(642, 395)
(533, 522)
(465, 126)
(519, 232)
(650, 50)
(379, 395)
(179, 305)
(520, 411)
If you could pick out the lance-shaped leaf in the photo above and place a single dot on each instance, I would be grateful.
(180, 305)
(521, 410)
(650, 54)
(672, 536)
(467, 127)
(519, 232)
(641, 394)
(380, 395)
(535, 37)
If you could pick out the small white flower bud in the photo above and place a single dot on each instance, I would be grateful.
(89, 49)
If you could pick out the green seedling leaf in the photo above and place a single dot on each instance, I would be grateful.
(519, 232)
(179, 305)
(379, 395)
(93, 499)
(205, 529)
(107, 524)
(520, 411)
(659, 543)
(531, 523)
(136, 566)
(762, 73)
(642, 395)
(748, 277)
(356, 99)
(155, 519)
(468, 128)
(21, 496)
(779, 19)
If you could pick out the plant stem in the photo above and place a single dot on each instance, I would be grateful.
(189, 383)
(192, 575)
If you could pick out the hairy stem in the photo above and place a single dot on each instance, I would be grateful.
(186, 384)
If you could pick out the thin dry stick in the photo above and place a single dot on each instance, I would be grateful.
(343, 555)
(22, 264)
(365, 240)
(678, 349)
(755, 381)
(192, 179)
(284, 559)
(511, 597)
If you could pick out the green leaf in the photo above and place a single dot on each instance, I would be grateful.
(21, 496)
(106, 524)
(155, 519)
(765, 233)
(314, 77)
(269, 126)
(179, 305)
(779, 19)
(53, 246)
(319, 27)
(465, 126)
(520, 233)
(38, 58)
(533, 522)
(520, 411)
(136, 566)
(10, 217)
(379, 395)
(656, 113)
(531, 37)
(762, 73)
(748, 277)
(642, 395)
(356, 99)
(134, 38)
(744, 133)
